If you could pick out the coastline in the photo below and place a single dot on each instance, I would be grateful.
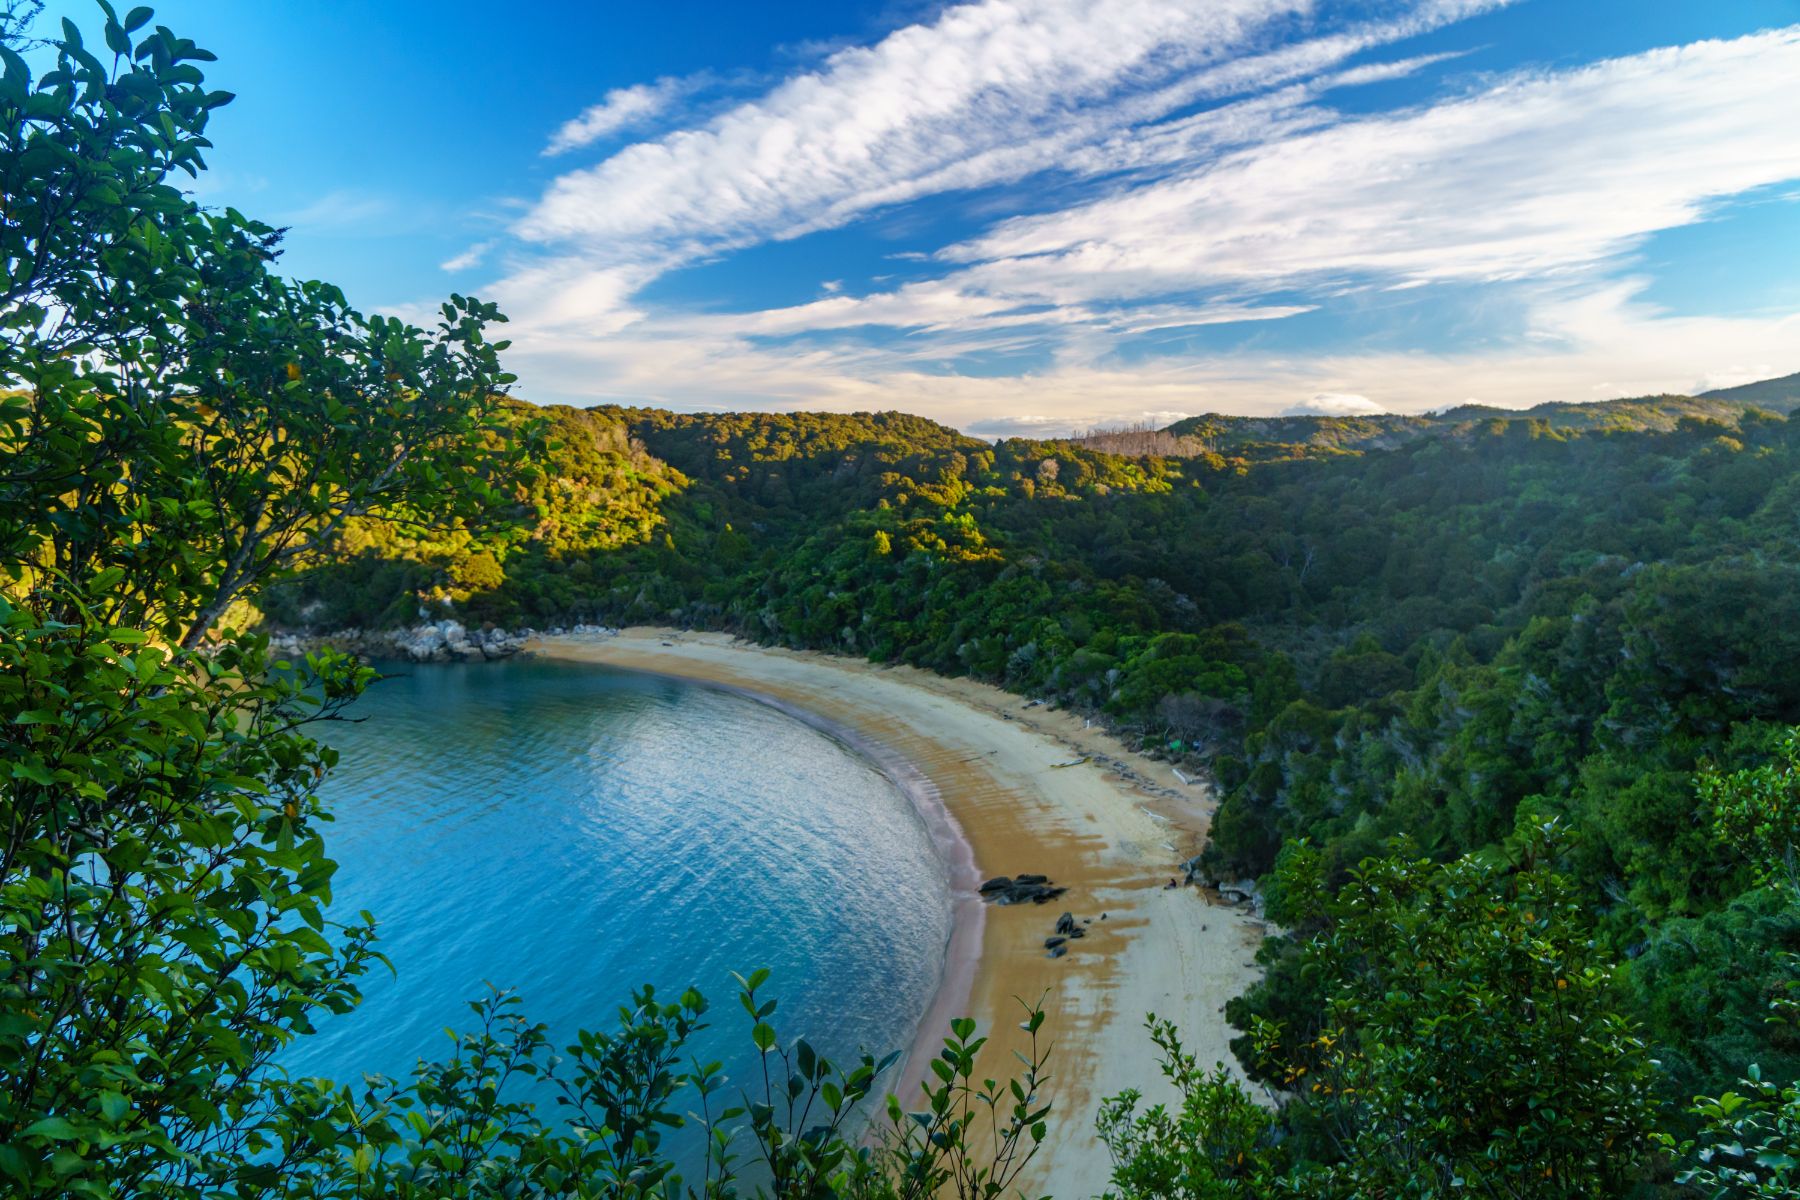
(979, 764)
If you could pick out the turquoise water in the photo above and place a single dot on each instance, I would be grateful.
(572, 831)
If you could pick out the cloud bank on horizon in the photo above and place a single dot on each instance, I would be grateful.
(1038, 215)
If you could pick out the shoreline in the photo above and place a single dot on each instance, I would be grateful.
(978, 763)
(968, 915)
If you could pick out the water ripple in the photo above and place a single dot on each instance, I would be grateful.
(572, 832)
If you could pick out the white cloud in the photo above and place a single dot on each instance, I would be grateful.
(1163, 417)
(468, 258)
(989, 92)
(1026, 425)
(939, 307)
(1265, 205)
(1735, 375)
(1534, 176)
(621, 109)
(1334, 404)
(1611, 344)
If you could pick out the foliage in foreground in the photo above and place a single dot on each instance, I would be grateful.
(1469, 1043)
(179, 425)
(454, 1130)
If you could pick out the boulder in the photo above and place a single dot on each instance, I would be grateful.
(1021, 889)
(1242, 892)
(1065, 924)
(1051, 943)
(1058, 951)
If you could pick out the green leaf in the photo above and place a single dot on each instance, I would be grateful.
(53, 1128)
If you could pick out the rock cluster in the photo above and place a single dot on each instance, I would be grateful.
(1020, 889)
(438, 641)
(449, 641)
(1067, 930)
(1244, 891)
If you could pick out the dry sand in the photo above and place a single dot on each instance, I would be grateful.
(1112, 830)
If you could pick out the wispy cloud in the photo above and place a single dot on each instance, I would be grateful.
(1535, 178)
(1610, 343)
(469, 258)
(621, 110)
(338, 210)
(989, 92)
(1536, 175)
(1204, 179)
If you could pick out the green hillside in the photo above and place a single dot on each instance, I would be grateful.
(1563, 613)
(1263, 439)
(1778, 395)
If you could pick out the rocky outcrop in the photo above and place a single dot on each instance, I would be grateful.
(1194, 872)
(437, 641)
(1244, 891)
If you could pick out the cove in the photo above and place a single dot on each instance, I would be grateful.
(573, 831)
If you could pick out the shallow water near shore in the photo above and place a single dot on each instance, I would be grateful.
(573, 831)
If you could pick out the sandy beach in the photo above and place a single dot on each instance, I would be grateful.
(1111, 829)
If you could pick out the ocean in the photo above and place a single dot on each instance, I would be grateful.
(572, 831)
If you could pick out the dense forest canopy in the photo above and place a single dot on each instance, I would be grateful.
(1439, 627)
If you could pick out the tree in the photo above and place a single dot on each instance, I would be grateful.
(181, 426)
(1472, 1035)
(1219, 1144)
(1748, 1146)
(1468, 1044)
(178, 425)
(1756, 811)
(175, 408)
(163, 899)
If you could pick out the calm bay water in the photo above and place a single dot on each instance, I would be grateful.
(573, 831)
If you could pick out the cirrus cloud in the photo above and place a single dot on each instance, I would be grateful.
(1199, 177)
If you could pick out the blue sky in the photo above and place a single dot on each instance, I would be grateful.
(1035, 215)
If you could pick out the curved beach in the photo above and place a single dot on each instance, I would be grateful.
(1111, 830)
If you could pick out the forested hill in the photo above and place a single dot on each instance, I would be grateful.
(1264, 438)
(1563, 613)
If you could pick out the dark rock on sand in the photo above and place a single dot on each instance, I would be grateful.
(1037, 889)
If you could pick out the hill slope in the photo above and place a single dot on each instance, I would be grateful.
(1265, 439)
(1430, 628)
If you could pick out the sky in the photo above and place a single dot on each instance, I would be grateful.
(1025, 217)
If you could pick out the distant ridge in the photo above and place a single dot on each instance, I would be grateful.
(1777, 395)
(1268, 439)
